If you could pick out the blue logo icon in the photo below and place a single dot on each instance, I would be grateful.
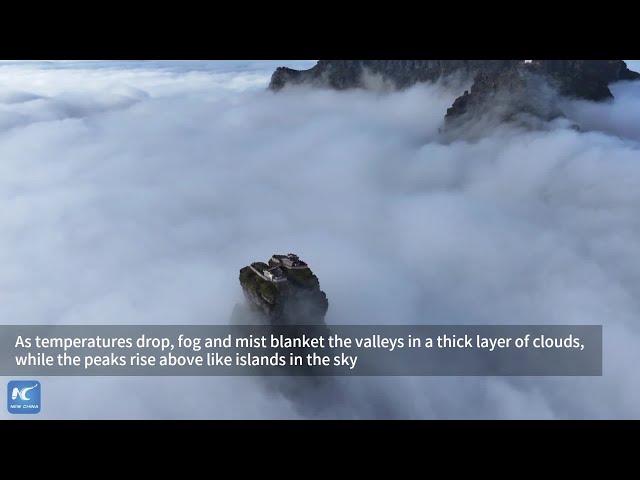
(23, 396)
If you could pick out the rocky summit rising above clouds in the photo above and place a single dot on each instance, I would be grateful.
(284, 291)
(524, 91)
(282, 296)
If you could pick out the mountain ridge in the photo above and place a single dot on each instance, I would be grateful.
(510, 90)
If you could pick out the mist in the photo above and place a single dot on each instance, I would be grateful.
(133, 193)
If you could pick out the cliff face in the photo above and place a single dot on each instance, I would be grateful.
(298, 300)
(511, 90)
(516, 95)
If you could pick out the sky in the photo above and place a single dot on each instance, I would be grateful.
(133, 192)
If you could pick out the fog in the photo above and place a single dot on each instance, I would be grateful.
(133, 192)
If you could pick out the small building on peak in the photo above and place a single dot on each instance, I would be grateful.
(274, 274)
(290, 260)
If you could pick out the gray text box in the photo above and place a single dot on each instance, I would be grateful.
(197, 350)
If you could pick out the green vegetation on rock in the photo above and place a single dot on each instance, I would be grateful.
(257, 285)
(268, 290)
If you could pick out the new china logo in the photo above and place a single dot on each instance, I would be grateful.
(23, 396)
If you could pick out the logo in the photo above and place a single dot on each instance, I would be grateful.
(23, 396)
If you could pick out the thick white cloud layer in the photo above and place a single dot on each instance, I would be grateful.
(133, 192)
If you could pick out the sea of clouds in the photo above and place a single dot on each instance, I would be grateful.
(132, 193)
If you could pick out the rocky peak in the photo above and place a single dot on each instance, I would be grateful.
(515, 95)
(282, 291)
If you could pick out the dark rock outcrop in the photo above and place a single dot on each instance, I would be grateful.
(509, 90)
(584, 79)
(516, 95)
(298, 300)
